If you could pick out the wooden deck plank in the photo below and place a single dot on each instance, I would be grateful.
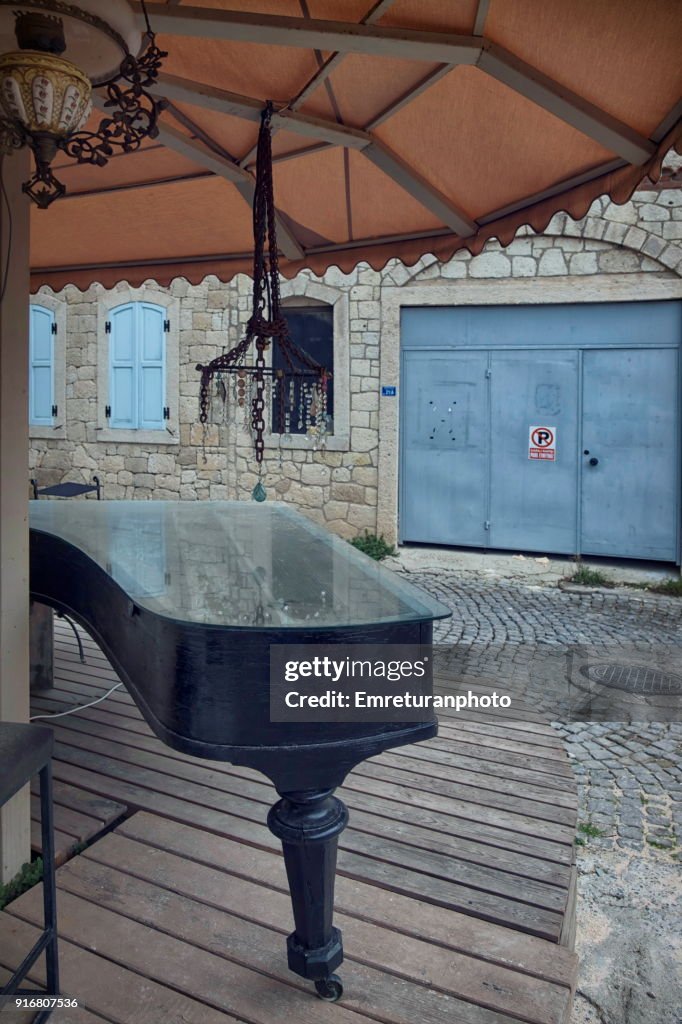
(103, 987)
(73, 733)
(521, 720)
(549, 760)
(510, 730)
(477, 790)
(470, 784)
(470, 770)
(425, 808)
(455, 883)
(136, 731)
(251, 800)
(82, 826)
(213, 789)
(480, 759)
(65, 1015)
(413, 824)
(488, 773)
(97, 807)
(247, 926)
(64, 842)
(568, 930)
(413, 804)
(173, 850)
(224, 984)
(445, 893)
(121, 732)
(78, 818)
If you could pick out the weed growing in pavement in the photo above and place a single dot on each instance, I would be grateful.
(591, 578)
(376, 547)
(673, 588)
(588, 829)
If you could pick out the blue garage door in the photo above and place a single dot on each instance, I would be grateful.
(551, 428)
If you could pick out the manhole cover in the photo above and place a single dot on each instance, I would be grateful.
(636, 679)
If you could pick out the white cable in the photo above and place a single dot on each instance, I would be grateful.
(82, 707)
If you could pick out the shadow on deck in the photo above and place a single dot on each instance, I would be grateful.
(455, 886)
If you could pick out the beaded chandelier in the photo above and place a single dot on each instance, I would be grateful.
(293, 386)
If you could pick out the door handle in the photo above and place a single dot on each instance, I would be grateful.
(594, 462)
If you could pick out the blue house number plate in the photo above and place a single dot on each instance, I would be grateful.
(389, 390)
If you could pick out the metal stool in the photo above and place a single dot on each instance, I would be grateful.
(68, 489)
(26, 750)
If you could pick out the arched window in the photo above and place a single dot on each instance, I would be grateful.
(41, 384)
(137, 367)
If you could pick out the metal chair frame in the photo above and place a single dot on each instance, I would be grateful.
(47, 942)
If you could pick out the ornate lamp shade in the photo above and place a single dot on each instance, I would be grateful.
(45, 93)
(45, 98)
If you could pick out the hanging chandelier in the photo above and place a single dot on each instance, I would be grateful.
(291, 384)
(46, 98)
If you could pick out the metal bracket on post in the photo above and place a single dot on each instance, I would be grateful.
(308, 825)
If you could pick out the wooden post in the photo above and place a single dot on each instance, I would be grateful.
(14, 689)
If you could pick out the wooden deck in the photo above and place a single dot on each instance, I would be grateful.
(455, 889)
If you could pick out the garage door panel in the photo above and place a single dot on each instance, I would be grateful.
(533, 501)
(630, 427)
(445, 442)
(603, 377)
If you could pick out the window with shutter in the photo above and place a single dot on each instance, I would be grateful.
(41, 366)
(137, 367)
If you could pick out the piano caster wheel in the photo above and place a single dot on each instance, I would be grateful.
(330, 989)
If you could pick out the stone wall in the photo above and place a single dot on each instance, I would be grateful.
(337, 486)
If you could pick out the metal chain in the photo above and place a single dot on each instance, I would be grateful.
(266, 321)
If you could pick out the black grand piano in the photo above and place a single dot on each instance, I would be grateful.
(186, 599)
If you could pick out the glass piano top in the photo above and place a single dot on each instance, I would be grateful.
(234, 563)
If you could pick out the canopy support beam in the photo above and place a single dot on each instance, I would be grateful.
(236, 105)
(425, 83)
(435, 47)
(333, 61)
(312, 33)
(420, 189)
(249, 108)
(241, 179)
(481, 15)
(221, 165)
(566, 105)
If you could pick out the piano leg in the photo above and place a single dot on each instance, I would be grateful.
(308, 823)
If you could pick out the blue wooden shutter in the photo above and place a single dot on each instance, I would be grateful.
(151, 348)
(123, 364)
(41, 366)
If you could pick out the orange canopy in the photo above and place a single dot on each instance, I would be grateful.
(403, 127)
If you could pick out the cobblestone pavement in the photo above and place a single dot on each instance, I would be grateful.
(628, 765)
(629, 774)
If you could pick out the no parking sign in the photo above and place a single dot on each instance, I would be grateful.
(542, 444)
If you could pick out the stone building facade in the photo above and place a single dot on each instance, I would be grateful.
(615, 253)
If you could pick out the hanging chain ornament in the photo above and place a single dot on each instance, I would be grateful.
(300, 381)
